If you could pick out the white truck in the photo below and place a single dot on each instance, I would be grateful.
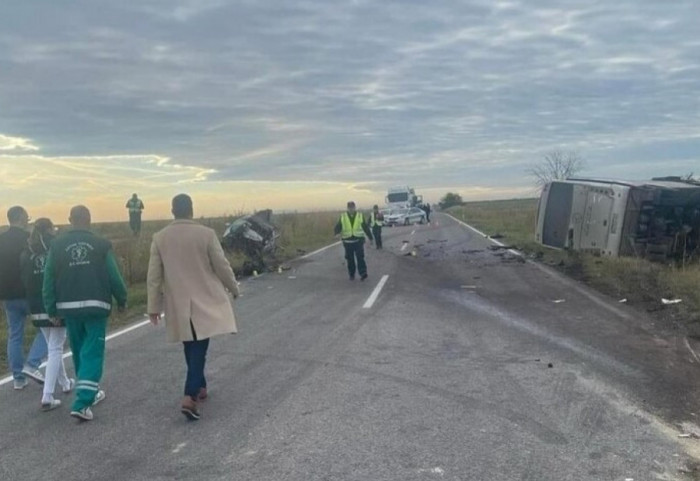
(402, 197)
(658, 220)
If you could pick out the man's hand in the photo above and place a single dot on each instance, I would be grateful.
(154, 318)
(121, 309)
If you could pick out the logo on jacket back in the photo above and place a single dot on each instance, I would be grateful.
(39, 264)
(79, 253)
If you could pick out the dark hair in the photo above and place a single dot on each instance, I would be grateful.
(351, 204)
(14, 214)
(182, 206)
(41, 236)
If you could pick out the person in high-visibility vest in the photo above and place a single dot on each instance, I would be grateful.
(376, 221)
(352, 229)
(135, 207)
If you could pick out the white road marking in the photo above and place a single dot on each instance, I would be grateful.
(68, 354)
(413, 232)
(179, 448)
(692, 351)
(375, 293)
(403, 247)
(318, 251)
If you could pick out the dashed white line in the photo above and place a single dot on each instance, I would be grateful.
(403, 247)
(692, 351)
(375, 293)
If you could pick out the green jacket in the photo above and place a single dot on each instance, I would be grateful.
(32, 266)
(81, 277)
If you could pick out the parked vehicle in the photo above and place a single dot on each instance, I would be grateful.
(405, 217)
(402, 197)
(658, 220)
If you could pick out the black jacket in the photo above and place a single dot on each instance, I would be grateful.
(12, 243)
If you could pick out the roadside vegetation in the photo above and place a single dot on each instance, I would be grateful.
(299, 234)
(639, 281)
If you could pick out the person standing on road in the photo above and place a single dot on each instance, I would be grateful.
(80, 278)
(13, 296)
(191, 281)
(33, 262)
(376, 221)
(135, 206)
(427, 212)
(352, 229)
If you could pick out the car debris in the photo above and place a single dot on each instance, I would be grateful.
(559, 301)
(669, 302)
(254, 236)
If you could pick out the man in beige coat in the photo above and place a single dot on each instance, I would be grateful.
(190, 279)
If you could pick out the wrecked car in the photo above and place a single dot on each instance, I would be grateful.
(255, 236)
(658, 220)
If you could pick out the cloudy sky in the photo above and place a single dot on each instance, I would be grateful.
(304, 104)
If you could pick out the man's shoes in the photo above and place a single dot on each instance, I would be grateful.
(189, 409)
(363, 277)
(99, 397)
(50, 406)
(35, 374)
(352, 278)
(84, 414)
(69, 387)
(20, 384)
(202, 395)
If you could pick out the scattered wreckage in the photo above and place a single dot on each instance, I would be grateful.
(658, 220)
(254, 236)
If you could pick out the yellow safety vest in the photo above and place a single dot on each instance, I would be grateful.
(374, 222)
(351, 229)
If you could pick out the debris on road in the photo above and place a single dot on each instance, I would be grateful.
(468, 287)
(496, 236)
(559, 301)
(622, 301)
(502, 247)
(550, 365)
(253, 235)
(433, 241)
(668, 302)
(292, 277)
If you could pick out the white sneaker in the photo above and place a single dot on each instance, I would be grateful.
(35, 374)
(69, 387)
(49, 406)
(99, 397)
(20, 384)
(84, 414)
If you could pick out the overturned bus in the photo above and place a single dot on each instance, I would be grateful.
(658, 220)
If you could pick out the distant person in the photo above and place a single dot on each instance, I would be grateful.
(190, 279)
(427, 212)
(135, 206)
(80, 279)
(13, 296)
(376, 221)
(352, 229)
(33, 262)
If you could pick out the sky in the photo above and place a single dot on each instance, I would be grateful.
(304, 105)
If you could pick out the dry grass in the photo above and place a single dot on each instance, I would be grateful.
(637, 280)
(299, 233)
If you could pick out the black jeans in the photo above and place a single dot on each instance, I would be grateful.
(196, 358)
(377, 233)
(135, 222)
(355, 250)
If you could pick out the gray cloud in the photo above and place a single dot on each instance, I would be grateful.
(431, 93)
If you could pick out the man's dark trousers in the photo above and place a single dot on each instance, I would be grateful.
(196, 357)
(377, 234)
(355, 250)
(135, 222)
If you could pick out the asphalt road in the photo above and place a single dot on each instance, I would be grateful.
(471, 364)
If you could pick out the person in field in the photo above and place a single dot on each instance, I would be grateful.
(190, 279)
(135, 207)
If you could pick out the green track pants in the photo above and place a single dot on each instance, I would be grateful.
(87, 341)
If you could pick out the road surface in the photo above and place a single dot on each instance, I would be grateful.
(467, 364)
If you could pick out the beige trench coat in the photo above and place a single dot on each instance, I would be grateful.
(189, 278)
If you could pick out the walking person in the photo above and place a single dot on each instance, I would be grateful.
(376, 222)
(352, 229)
(13, 296)
(135, 206)
(80, 278)
(427, 212)
(33, 261)
(190, 279)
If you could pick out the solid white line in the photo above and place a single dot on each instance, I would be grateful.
(474, 229)
(375, 292)
(687, 344)
(68, 354)
(317, 251)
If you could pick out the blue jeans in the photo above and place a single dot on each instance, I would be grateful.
(16, 312)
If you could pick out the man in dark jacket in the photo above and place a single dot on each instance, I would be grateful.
(12, 243)
(353, 228)
(80, 278)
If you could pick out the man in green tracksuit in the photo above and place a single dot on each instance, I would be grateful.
(80, 279)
